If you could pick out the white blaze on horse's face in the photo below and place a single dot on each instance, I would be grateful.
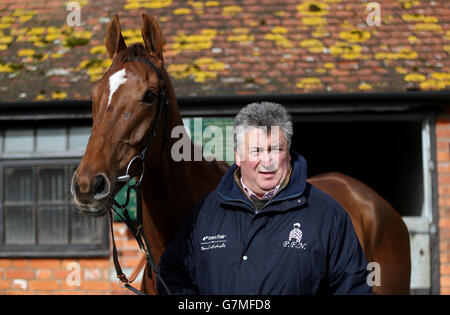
(115, 81)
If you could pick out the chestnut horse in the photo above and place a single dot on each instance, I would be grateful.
(124, 110)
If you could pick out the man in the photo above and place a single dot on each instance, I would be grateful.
(265, 230)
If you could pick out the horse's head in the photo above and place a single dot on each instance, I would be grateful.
(125, 104)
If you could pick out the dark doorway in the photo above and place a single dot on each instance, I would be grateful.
(386, 155)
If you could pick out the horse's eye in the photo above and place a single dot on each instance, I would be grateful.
(149, 97)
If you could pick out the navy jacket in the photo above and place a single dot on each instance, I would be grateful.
(301, 242)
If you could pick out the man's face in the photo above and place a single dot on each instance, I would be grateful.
(264, 158)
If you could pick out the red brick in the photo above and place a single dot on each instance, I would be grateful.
(445, 281)
(445, 269)
(445, 291)
(45, 263)
(19, 274)
(444, 257)
(444, 223)
(43, 285)
(443, 167)
(44, 274)
(5, 263)
(443, 179)
(5, 284)
(96, 285)
(442, 133)
(20, 263)
(443, 145)
(95, 263)
(61, 273)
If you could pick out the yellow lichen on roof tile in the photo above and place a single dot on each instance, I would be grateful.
(429, 27)
(412, 39)
(132, 36)
(447, 35)
(231, 10)
(346, 51)
(6, 68)
(403, 54)
(355, 36)
(414, 77)
(24, 15)
(447, 48)
(279, 30)
(277, 35)
(181, 11)
(313, 13)
(441, 76)
(364, 86)
(241, 35)
(313, 45)
(313, 8)
(320, 32)
(95, 68)
(41, 97)
(201, 69)
(26, 52)
(100, 49)
(309, 83)
(408, 4)
(148, 4)
(59, 95)
(437, 81)
(212, 3)
(401, 70)
(194, 42)
(314, 21)
(419, 18)
(5, 39)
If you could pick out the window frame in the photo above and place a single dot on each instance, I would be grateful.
(36, 160)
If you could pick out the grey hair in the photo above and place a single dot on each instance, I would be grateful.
(264, 114)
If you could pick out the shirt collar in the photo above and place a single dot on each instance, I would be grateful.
(268, 195)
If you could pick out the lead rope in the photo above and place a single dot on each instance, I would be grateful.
(138, 234)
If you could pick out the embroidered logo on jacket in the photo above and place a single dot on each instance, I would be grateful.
(213, 242)
(295, 238)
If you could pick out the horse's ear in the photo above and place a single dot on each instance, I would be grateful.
(152, 35)
(114, 41)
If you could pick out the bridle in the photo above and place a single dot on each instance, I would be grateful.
(136, 227)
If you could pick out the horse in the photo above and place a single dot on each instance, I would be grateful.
(126, 113)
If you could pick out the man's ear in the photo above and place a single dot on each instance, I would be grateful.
(114, 41)
(152, 36)
(236, 157)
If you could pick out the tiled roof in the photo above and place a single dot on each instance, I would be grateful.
(230, 47)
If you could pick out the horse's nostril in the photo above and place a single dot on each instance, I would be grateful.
(99, 184)
(100, 187)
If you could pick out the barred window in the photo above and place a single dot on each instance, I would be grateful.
(37, 216)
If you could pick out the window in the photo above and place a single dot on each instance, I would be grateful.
(37, 217)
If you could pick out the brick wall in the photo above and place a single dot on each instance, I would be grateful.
(443, 158)
(50, 276)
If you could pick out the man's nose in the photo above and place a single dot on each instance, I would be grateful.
(265, 158)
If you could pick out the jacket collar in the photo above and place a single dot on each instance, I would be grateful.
(231, 193)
